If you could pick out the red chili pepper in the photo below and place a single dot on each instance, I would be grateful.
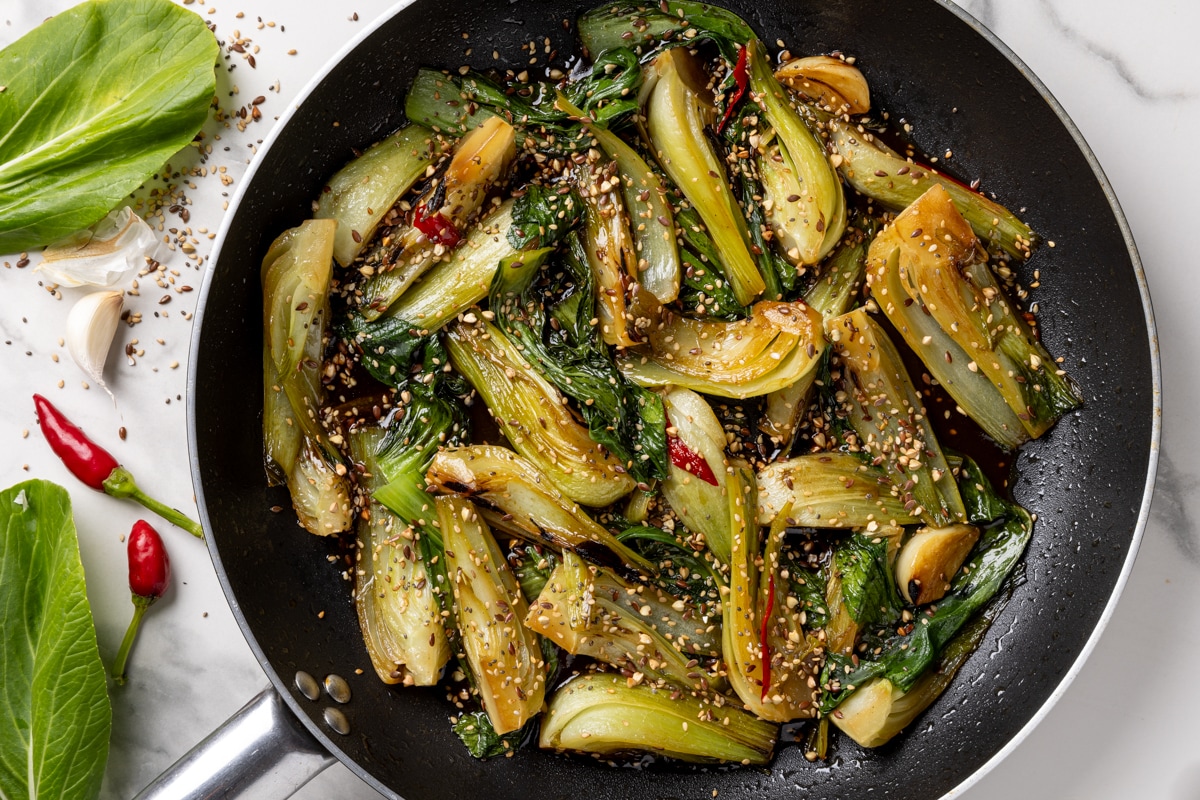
(96, 467)
(149, 576)
(764, 652)
(741, 77)
(688, 459)
(436, 227)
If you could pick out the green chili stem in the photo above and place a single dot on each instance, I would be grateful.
(121, 484)
(140, 604)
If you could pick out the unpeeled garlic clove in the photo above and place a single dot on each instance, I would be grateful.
(112, 250)
(91, 326)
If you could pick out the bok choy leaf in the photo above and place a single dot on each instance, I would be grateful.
(295, 280)
(929, 263)
(96, 99)
(531, 505)
(555, 334)
(890, 420)
(398, 612)
(454, 103)
(530, 413)
(603, 714)
(904, 657)
(504, 656)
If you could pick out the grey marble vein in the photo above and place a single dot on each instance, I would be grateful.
(1115, 60)
(1169, 509)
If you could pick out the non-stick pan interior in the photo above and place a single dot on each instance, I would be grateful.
(1085, 480)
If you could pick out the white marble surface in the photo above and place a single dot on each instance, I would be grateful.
(1125, 728)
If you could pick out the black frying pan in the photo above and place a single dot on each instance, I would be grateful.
(1088, 480)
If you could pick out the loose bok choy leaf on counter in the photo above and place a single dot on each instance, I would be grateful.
(95, 100)
(295, 279)
(55, 730)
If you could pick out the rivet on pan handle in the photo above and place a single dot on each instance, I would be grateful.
(262, 753)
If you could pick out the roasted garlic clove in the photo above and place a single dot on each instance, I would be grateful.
(928, 561)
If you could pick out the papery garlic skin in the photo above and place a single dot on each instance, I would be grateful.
(91, 326)
(106, 254)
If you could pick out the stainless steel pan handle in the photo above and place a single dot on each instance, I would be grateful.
(262, 753)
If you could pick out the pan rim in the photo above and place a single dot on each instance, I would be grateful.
(280, 685)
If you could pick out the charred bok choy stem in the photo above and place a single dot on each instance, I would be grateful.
(829, 490)
(808, 206)
(552, 326)
(928, 267)
(531, 505)
(608, 251)
(605, 714)
(394, 587)
(831, 295)
(450, 288)
(362, 193)
(679, 110)
(295, 281)
(771, 659)
(905, 656)
(651, 220)
(637, 628)
(481, 160)
(530, 412)
(889, 417)
(876, 171)
(504, 656)
(775, 347)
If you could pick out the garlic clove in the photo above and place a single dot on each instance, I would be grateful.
(91, 326)
(112, 250)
